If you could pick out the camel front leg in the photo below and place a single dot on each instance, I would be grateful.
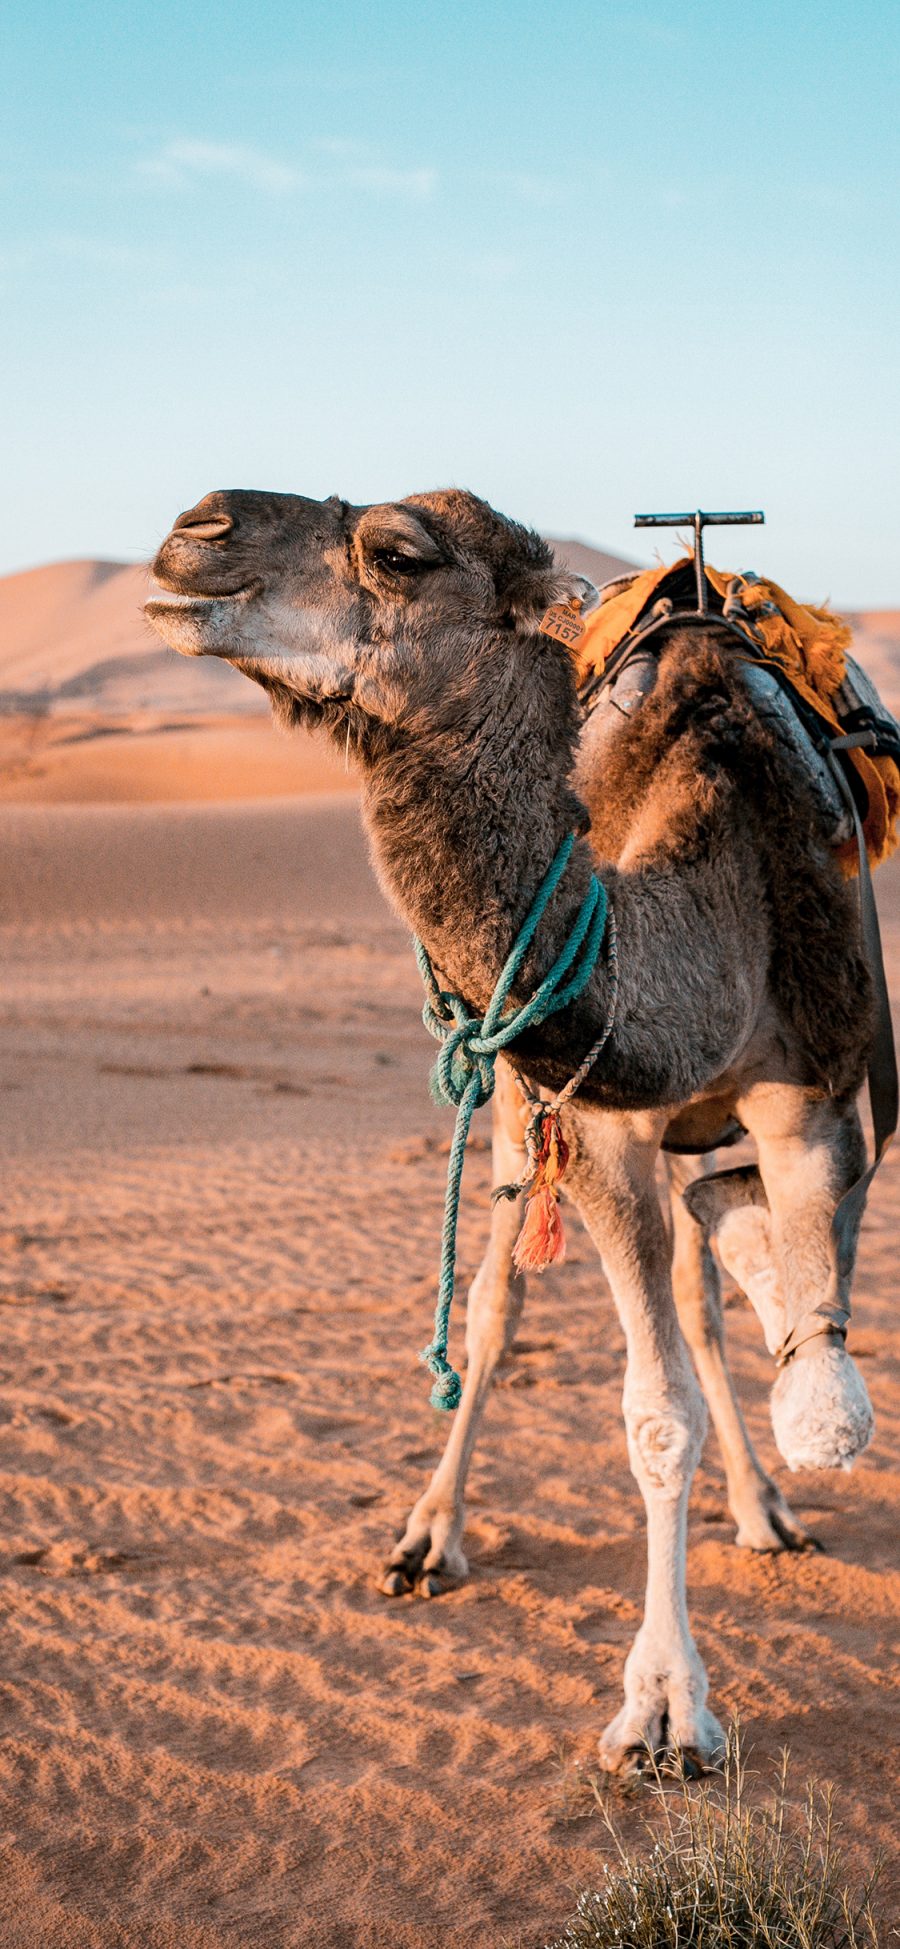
(612, 1180)
(763, 1517)
(429, 1556)
(774, 1235)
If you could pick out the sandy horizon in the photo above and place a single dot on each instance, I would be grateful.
(94, 709)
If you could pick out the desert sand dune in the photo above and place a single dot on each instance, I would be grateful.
(73, 632)
(93, 709)
(222, 1185)
(152, 756)
(876, 645)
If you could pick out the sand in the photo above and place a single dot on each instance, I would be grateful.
(94, 709)
(150, 757)
(222, 1184)
(76, 629)
(222, 1181)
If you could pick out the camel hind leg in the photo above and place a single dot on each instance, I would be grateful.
(429, 1556)
(764, 1520)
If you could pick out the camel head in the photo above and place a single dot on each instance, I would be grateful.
(377, 610)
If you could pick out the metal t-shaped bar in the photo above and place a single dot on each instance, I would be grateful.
(698, 521)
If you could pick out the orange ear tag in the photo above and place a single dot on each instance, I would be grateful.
(563, 620)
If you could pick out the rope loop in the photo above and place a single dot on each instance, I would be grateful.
(459, 1061)
(463, 1074)
(463, 1054)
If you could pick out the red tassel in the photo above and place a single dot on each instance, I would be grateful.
(542, 1241)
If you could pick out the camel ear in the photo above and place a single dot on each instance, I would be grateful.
(543, 590)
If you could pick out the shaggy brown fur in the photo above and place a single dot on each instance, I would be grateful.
(694, 779)
(413, 631)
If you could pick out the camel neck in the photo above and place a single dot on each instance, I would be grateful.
(464, 823)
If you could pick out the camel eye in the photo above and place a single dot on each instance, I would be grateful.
(395, 562)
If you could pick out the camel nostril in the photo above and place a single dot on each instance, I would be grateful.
(203, 527)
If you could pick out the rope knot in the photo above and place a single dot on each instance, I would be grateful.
(447, 1390)
(463, 1060)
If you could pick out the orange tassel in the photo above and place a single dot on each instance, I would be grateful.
(542, 1241)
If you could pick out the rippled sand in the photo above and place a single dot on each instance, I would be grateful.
(222, 1184)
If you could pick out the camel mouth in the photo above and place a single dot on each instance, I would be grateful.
(201, 622)
(172, 603)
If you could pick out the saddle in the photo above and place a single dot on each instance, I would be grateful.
(819, 703)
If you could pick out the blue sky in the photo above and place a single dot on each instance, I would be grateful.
(584, 259)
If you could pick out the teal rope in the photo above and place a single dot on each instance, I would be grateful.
(463, 1075)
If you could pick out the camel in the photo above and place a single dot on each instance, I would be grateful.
(412, 631)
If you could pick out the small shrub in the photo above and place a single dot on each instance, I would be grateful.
(725, 1875)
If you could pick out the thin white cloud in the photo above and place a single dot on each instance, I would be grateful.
(184, 162)
(416, 185)
(71, 247)
(341, 148)
(346, 164)
(540, 191)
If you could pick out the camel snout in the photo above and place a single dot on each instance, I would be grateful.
(200, 556)
(199, 540)
(204, 525)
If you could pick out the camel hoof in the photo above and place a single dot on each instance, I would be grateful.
(630, 1750)
(670, 1762)
(395, 1583)
(402, 1572)
(436, 1580)
(409, 1570)
(768, 1524)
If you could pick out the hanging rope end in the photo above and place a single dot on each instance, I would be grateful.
(464, 1077)
(446, 1393)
